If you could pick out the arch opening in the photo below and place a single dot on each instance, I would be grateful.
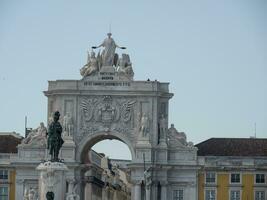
(113, 149)
(90, 141)
(107, 177)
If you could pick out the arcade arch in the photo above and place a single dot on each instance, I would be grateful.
(113, 149)
(100, 178)
(89, 141)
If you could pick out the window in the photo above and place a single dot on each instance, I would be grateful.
(210, 195)
(259, 195)
(235, 195)
(235, 178)
(210, 177)
(3, 193)
(3, 174)
(178, 194)
(260, 178)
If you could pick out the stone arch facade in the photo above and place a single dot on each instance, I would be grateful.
(136, 113)
(108, 104)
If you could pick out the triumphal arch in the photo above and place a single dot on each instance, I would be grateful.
(107, 103)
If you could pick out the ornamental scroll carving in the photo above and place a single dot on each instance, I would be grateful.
(104, 113)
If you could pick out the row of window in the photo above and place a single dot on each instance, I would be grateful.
(3, 174)
(210, 194)
(3, 192)
(178, 194)
(235, 178)
(3, 189)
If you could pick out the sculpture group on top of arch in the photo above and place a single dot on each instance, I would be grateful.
(107, 58)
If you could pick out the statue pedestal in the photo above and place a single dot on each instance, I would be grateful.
(52, 179)
(163, 143)
(143, 141)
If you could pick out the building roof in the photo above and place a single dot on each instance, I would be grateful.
(9, 142)
(233, 147)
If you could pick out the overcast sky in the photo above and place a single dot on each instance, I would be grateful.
(213, 53)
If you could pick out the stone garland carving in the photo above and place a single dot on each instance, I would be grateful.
(73, 196)
(50, 174)
(72, 191)
(148, 177)
(106, 114)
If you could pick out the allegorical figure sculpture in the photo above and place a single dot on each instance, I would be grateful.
(91, 66)
(108, 54)
(125, 65)
(175, 138)
(54, 141)
(36, 136)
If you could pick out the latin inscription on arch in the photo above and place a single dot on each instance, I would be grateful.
(94, 83)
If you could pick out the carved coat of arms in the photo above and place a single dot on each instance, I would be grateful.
(106, 114)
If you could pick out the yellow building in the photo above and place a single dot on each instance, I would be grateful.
(232, 169)
(8, 148)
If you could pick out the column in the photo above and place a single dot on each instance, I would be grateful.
(137, 191)
(163, 190)
(148, 191)
(132, 193)
(105, 193)
(19, 189)
(88, 191)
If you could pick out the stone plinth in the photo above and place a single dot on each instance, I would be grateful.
(52, 178)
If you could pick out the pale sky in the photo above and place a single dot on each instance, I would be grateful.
(213, 53)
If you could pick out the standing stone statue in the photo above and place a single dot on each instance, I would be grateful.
(25, 195)
(32, 194)
(54, 141)
(163, 127)
(67, 125)
(144, 125)
(91, 66)
(108, 54)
